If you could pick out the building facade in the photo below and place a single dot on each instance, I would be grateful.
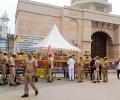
(87, 24)
(6, 39)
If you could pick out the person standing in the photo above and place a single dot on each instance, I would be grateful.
(105, 69)
(4, 62)
(80, 70)
(50, 68)
(96, 71)
(71, 63)
(30, 72)
(118, 69)
(92, 68)
(12, 70)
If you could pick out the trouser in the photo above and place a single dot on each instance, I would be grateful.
(80, 74)
(92, 74)
(12, 75)
(118, 72)
(4, 70)
(29, 79)
(71, 74)
(50, 76)
(100, 71)
(105, 74)
(96, 74)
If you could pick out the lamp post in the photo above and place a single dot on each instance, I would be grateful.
(8, 42)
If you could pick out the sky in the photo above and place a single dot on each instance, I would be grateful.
(10, 7)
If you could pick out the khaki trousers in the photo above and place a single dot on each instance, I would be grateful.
(50, 76)
(105, 74)
(12, 75)
(3, 72)
(80, 74)
(29, 79)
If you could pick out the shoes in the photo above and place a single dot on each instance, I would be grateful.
(25, 95)
(98, 81)
(11, 84)
(105, 81)
(80, 81)
(93, 81)
(36, 92)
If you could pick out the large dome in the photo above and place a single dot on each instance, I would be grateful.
(95, 5)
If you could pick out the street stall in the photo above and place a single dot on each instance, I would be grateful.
(55, 44)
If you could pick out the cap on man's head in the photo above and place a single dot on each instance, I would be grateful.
(105, 57)
(13, 53)
(97, 57)
(5, 52)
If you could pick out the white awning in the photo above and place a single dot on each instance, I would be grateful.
(56, 41)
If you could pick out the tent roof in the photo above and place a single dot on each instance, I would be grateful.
(56, 41)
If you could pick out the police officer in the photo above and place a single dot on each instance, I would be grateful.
(105, 69)
(4, 62)
(12, 69)
(1, 65)
(80, 70)
(30, 71)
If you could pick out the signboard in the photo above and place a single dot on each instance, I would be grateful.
(41, 72)
(24, 43)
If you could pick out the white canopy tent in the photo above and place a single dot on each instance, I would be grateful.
(56, 41)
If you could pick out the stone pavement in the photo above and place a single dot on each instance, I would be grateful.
(67, 90)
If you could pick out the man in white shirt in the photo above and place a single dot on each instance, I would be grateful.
(118, 69)
(71, 63)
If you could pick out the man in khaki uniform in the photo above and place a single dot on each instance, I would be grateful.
(80, 69)
(4, 62)
(12, 70)
(105, 69)
(30, 71)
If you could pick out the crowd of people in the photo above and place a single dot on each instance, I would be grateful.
(30, 65)
(98, 70)
(95, 69)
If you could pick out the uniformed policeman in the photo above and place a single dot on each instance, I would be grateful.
(30, 71)
(105, 69)
(4, 62)
(12, 69)
(80, 70)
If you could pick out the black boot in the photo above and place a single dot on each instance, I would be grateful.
(24, 95)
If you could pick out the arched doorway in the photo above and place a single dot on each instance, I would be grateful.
(101, 43)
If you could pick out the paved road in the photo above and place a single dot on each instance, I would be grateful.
(67, 90)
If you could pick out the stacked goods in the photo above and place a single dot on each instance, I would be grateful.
(20, 60)
(86, 60)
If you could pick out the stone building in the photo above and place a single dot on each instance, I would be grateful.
(86, 23)
(6, 39)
